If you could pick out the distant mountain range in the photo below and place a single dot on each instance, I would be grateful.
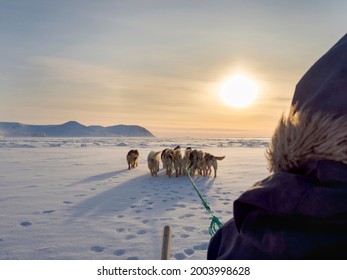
(71, 129)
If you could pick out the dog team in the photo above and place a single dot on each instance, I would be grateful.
(192, 161)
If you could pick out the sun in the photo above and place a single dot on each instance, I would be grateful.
(238, 91)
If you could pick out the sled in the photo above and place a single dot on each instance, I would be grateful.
(166, 244)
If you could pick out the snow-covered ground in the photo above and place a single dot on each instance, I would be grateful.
(76, 199)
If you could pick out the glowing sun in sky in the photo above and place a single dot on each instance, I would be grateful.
(238, 91)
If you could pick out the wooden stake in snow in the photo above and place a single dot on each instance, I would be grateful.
(166, 244)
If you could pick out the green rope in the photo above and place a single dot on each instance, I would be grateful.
(214, 221)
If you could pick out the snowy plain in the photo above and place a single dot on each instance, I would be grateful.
(74, 198)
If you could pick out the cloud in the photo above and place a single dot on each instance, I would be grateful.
(61, 69)
(129, 91)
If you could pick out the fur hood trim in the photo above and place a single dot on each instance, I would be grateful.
(301, 137)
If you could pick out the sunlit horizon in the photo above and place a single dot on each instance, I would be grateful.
(135, 63)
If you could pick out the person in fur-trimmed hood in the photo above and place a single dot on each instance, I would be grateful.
(300, 211)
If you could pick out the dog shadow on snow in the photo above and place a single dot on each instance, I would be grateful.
(146, 201)
(142, 192)
(99, 177)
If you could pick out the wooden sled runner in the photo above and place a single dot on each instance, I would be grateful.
(166, 244)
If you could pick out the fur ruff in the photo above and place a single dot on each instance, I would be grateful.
(301, 137)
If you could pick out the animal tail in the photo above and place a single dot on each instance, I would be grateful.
(220, 158)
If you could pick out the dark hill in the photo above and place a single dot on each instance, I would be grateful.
(71, 129)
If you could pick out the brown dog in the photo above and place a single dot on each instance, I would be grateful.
(167, 159)
(211, 161)
(133, 159)
(177, 161)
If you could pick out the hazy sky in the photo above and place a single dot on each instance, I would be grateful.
(158, 64)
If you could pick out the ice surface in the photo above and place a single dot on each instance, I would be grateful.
(75, 198)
